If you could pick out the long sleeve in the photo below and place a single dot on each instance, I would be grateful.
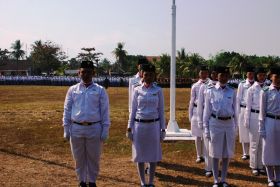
(129, 94)
(238, 100)
(234, 108)
(67, 108)
(161, 110)
(200, 104)
(191, 103)
(104, 110)
(207, 111)
(249, 100)
(262, 112)
(133, 110)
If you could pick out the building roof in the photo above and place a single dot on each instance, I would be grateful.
(8, 65)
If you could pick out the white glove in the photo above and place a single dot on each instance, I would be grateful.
(162, 135)
(104, 134)
(263, 134)
(207, 134)
(200, 125)
(66, 134)
(129, 135)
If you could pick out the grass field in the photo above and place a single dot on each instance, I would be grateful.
(33, 152)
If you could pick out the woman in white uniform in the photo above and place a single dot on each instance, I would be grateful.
(251, 122)
(219, 121)
(146, 125)
(269, 127)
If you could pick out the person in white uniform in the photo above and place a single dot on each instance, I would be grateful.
(146, 125)
(251, 118)
(193, 117)
(200, 107)
(219, 121)
(241, 106)
(86, 124)
(269, 127)
(135, 81)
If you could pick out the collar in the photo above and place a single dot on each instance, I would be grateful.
(203, 81)
(248, 81)
(137, 75)
(83, 84)
(272, 87)
(218, 86)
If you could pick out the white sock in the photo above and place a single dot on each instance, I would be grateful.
(270, 173)
(198, 146)
(141, 172)
(245, 147)
(152, 172)
(277, 173)
(225, 163)
(216, 170)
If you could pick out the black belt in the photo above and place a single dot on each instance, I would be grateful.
(272, 116)
(146, 120)
(195, 105)
(243, 106)
(86, 123)
(221, 118)
(255, 111)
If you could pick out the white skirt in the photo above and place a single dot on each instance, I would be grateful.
(195, 130)
(243, 131)
(146, 145)
(271, 143)
(222, 142)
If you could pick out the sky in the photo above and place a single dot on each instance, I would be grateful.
(144, 26)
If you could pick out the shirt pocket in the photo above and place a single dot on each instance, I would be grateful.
(93, 97)
(77, 96)
(152, 99)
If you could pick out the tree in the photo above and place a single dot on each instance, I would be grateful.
(105, 66)
(17, 52)
(163, 65)
(46, 57)
(4, 54)
(120, 55)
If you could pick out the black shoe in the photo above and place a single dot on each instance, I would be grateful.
(92, 184)
(150, 185)
(199, 160)
(147, 171)
(255, 172)
(217, 184)
(224, 184)
(262, 172)
(83, 184)
(208, 174)
(245, 157)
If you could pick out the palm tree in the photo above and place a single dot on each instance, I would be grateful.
(120, 55)
(17, 52)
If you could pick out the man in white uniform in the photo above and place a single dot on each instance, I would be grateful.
(241, 106)
(219, 121)
(193, 117)
(200, 107)
(86, 124)
(251, 122)
(269, 127)
(135, 81)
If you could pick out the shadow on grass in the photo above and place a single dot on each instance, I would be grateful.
(49, 162)
(199, 171)
(181, 180)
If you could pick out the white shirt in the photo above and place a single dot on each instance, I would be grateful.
(86, 104)
(134, 81)
(220, 102)
(252, 100)
(147, 103)
(269, 104)
(194, 96)
(201, 98)
(242, 93)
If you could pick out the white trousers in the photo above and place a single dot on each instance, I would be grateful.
(86, 148)
(208, 159)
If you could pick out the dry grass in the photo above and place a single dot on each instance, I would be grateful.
(33, 152)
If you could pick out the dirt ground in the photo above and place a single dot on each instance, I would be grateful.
(33, 152)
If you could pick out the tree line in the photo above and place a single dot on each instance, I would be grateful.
(48, 57)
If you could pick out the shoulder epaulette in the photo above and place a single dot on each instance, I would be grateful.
(266, 88)
(243, 81)
(230, 86)
(209, 86)
(136, 84)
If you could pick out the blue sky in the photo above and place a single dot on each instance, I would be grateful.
(203, 26)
